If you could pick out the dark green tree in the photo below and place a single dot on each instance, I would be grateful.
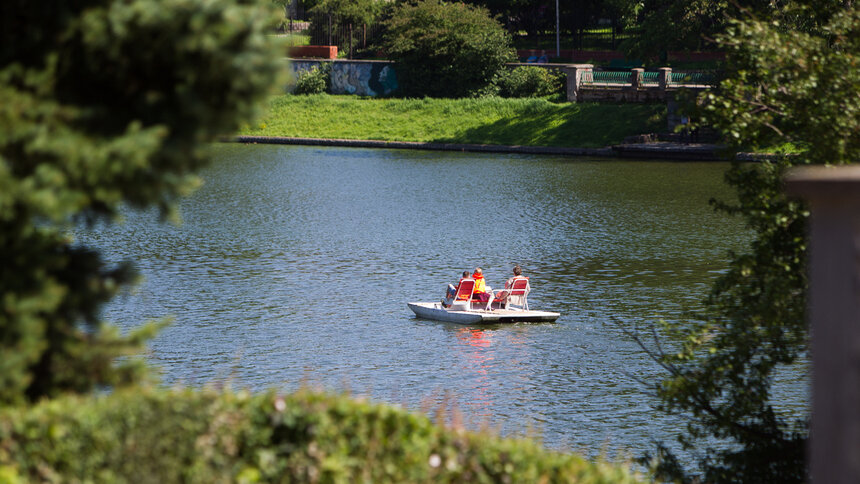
(786, 85)
(688, 25)
(665, 25)
(104, 103)
(446, 49)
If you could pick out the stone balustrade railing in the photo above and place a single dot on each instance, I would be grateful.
(585, 83)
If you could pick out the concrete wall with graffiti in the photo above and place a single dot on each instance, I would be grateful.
(362, 78)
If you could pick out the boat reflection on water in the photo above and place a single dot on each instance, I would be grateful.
(485, 356)
(477, 354)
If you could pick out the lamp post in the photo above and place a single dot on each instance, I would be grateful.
(557, 41)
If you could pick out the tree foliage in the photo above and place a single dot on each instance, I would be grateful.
(687, 25)
(104, 103)
(445, 49)
(665, 25)
(350, 11)
(785, 85)
(539, 16)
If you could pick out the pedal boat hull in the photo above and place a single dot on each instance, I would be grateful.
(435, 311)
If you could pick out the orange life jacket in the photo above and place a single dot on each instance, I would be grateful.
(480, 285)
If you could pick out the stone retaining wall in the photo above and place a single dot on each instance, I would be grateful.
(641, 151)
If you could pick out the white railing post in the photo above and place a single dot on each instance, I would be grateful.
(833, 194)
(664, 78)
(636, 75)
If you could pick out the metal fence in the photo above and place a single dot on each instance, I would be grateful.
(649, 78)
(597, 37)
(362, 40)
(356, 40)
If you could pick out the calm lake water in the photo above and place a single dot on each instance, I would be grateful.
(294, 265)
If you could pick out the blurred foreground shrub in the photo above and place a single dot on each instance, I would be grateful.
(204, 436)
(105, 105)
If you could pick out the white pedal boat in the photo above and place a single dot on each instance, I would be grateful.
(508, 305)
(455, 314)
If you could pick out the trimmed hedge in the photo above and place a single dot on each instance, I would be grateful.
(203, 436)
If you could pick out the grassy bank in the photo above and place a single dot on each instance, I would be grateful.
(529, 122)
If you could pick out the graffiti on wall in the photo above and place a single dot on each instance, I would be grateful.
(361, 78)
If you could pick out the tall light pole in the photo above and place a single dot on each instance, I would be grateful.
(557, 41)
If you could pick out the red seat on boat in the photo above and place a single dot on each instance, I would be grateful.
(464, 290)
(463, 299)
(515, 295)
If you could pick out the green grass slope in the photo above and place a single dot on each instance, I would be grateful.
(498, 121)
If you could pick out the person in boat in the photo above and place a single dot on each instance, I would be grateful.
(452, 290)
(503, 295)
(518, 274)
(482, 292)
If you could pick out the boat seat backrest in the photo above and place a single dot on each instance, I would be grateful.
(519, 290)
(520, 287)
(465, 290)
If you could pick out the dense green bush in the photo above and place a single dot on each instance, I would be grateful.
(530, 81)
(445, 49)
(314, 81)
(204, 436)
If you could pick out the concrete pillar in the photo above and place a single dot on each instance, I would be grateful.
(672, 118)
(576, 75)
(664, 78)
(833, 194)
(636, 75)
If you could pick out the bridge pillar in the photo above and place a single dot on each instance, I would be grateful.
(636, 75)
(664, 78)
(576, 75)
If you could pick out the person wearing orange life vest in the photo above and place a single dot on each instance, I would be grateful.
(481, 292)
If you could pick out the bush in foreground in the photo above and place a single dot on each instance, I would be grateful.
(205, 436)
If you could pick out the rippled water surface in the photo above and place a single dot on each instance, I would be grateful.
(294, 265)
